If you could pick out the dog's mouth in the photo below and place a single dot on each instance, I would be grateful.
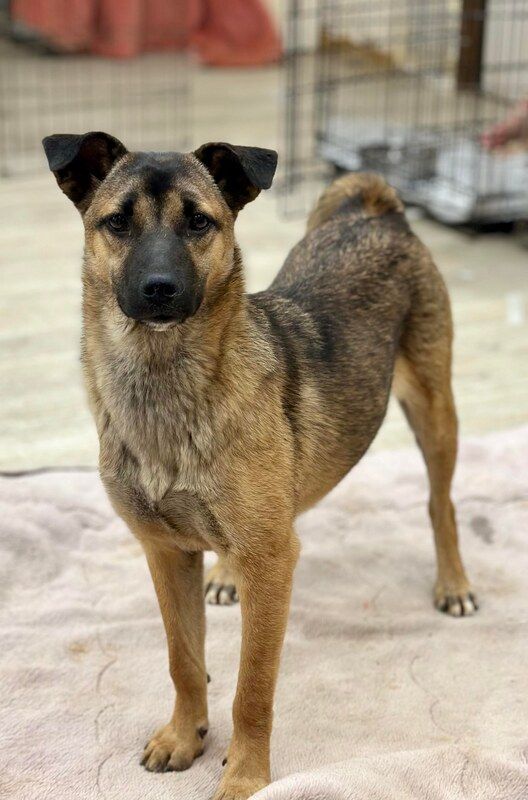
(160, 324)
(161, 318)
(156, 322)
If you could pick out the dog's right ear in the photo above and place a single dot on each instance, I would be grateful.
(81, 162)
(239, 172)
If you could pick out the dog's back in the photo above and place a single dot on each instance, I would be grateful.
(338, 311)
(357, 243)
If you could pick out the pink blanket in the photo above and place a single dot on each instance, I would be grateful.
(380, 697)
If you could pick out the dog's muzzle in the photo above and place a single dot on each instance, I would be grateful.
(159, 284)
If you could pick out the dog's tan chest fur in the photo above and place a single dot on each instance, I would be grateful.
(169, 435)
(156, 450)
(148, 491)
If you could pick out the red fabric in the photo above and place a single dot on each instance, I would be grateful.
(236, 33)
(223, 32)
(67, 24)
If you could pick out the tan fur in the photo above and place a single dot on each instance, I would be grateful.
(373, 193)
(214, 434)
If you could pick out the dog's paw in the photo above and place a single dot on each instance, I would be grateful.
(462, 603)
(170, 751)
(238, 788)
(220, 589)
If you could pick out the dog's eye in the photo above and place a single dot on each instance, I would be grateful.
(199, 222)
(117, 223)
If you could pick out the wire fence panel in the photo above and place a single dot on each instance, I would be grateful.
(142, 100)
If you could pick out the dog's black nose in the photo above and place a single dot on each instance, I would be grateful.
(160, 288)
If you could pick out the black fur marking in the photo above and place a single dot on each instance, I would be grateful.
(127, 206)
(212, 523)
(189, 206)
(159, 181)
(396, 222)
(316, 331)
(126, 455)
(351, 204)
(291, 385)
(327, 329)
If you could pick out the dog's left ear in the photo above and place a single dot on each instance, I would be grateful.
(81, 162)
(240, 172)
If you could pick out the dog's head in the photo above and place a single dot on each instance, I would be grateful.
(158, 226)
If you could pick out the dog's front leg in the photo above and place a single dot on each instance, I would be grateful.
(178, 580)
(264, 579)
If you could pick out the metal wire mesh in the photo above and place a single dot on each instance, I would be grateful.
(406, 89)
(141, 100)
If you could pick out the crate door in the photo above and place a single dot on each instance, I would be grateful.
(304, 170)
(341, 61)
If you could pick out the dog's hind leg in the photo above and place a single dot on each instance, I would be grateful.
(422, 384)
(220, 587)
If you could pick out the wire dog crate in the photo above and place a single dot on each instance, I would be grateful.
(142, 100)
(406, 88)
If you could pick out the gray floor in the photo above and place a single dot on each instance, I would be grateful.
(44, 420)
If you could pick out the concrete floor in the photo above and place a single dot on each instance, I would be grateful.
(43, 415)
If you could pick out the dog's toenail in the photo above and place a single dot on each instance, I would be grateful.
(208, 678)
(202, 732)
(224, 762)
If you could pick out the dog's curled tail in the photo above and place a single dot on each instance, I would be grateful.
(363, 193)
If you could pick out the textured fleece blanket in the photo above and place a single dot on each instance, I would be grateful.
(379, 695)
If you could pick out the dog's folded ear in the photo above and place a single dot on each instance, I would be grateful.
(240, 172)
(81, 162)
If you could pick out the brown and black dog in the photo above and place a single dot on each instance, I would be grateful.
(222, 415)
